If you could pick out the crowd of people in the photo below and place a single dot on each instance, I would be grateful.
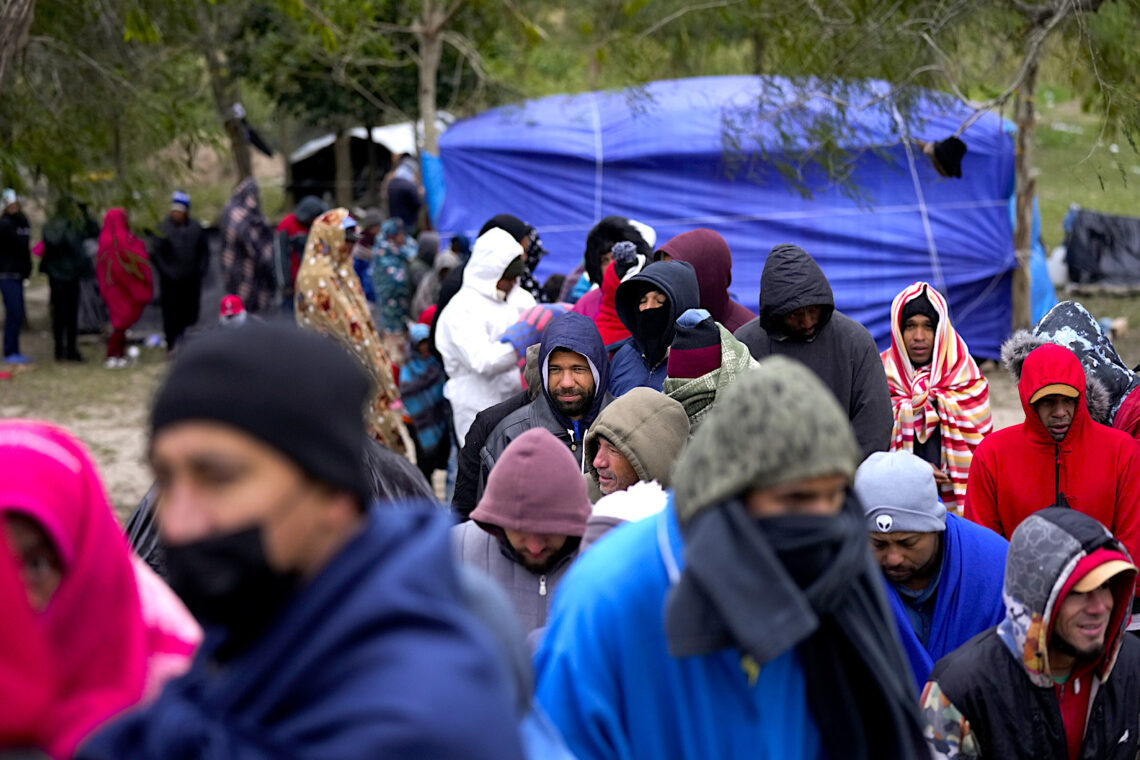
(673, 527)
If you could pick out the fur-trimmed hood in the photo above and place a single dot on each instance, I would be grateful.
(1098, 398)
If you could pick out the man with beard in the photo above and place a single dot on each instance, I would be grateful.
(1057, 677)
(529, 523)
(944, 573)
(575, 371)
(747, 618)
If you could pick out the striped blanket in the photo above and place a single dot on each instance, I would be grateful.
(950, 394)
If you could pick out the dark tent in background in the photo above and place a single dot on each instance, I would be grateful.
(314, 163)
(1103, 249)
(700, 152)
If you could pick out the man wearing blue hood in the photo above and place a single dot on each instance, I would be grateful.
(575, 373)
(943, 573)
(648, 304)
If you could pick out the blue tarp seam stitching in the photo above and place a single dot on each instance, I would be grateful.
(935, 264)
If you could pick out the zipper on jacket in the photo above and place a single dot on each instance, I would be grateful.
(542, 585)
(1056, 473)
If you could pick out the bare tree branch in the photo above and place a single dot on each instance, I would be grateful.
(513, 8)
(684, 11)
(464, 47)
(1035, 39)
(99, 67)
(818, 11)
(15, 21)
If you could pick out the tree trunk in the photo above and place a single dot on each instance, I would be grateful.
(16, 18)
(225, 92)
(343, 152)
(431, 48)
(757, 40)
(1026, 183)
(370, 195)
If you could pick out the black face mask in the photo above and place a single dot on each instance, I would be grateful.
(653, 331)
(227, 581)
(805, 544)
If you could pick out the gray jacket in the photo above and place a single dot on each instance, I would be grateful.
(530, 594)
(536, 414)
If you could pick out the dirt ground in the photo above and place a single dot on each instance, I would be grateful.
(106, 409)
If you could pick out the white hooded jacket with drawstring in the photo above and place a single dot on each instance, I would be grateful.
(481, 370)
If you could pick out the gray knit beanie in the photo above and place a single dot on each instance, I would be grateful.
(777, 424)
(899, 495)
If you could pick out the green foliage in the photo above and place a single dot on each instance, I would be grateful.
(98, 110)
(123, 110)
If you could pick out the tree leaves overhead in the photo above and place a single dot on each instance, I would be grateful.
(121, 88)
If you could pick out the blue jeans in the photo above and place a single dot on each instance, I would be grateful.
(12, 291)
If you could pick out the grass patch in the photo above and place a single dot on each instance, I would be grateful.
(1076, 165)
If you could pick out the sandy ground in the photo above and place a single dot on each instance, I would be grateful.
(106, 409)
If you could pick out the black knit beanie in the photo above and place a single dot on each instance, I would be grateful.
(295, 391)
(920, 304)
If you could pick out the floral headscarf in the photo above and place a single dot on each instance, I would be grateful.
(329, 299)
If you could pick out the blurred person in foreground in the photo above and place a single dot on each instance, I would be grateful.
(335, 629)
(114, 633)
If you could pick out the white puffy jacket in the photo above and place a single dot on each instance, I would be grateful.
(481, 370)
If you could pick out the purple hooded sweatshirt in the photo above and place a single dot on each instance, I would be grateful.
(535, 487)
(709, 254)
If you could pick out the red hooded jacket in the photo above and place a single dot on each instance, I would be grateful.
(710, 256)
(1019, 470)
(609, 324)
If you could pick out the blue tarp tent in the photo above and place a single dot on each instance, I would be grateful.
(689, 153)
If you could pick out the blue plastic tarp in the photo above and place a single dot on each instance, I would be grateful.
(702, 152)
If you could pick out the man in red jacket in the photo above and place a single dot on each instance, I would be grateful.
(1058, 456)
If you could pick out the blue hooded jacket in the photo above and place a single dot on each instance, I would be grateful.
(378, 656)
(577, 333)
(608, 682)
(632, 365)
(968, 600)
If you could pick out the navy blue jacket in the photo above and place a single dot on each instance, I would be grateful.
(378, 656)
(630, 366)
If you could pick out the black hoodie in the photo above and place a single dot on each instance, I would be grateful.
(640, 359)
(841, 352)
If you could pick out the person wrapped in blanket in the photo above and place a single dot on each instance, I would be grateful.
(421, 389)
